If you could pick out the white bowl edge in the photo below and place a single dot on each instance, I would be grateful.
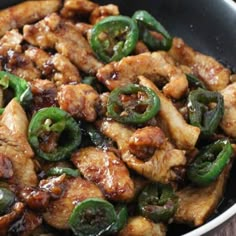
(213, 223)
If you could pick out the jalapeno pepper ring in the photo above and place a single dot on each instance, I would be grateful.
(195, 82)
(147, 23)
(157, 202)
(22, 91)
(54, 120)
(122, 218)
(54, 171)
(114, 37)
(210, 162)
(6, 200)
(200, 114)
(128, 111)
(92, 216)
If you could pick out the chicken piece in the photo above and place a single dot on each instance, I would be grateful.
(140, 48)
(172, 122)
(141, 226)
(101, 12)
(76, 190)
(159, 167)
(12, 58)
(83, 28)
(44, 93)
(14, 144)
(53, 32)
(25, 13)
(151, 65)
(144, 141)
(12, 39)
(66, 73)
(36, 199)
(106, 170)
(21, 66)
(57, 67)
(79, 100)
(196, 204)
(6, 220)
(41, 59)
(214, 75)
(72, 8)
(6, 169)
(28, 223)
(228, 123)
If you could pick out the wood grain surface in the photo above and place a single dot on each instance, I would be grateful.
(228, 229)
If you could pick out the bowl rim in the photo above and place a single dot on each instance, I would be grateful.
(214, 223)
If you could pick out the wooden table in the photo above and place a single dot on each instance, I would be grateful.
(229, 229)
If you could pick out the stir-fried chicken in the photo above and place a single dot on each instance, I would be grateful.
(212, 73)
(228, 123)
(5, 220)
(57, 67)
(25, 13)
(106, 170)
(144, 141)
(53, 32)
(140, 48)
(14, 144)
(44, 93)
(11, 39)
(151, 65)
(12, 58)
(185, 136)
(140, 226)
(72, 8)
(196, 204)
(6, 169)
(101, 12)
(76, 190)
(159, 167)
(79, 100)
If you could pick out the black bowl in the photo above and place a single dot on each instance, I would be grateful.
(209, 27)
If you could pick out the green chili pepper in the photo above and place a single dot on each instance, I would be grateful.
(22, 91)
(195, 82)
(92, 81)
(122, 218)
(147, 23)
(157, 202)
(210, 162)
(200, 114)
(63, 170)
(52, 120)
(97, 138)
(128, 112)
(6, 200)
(114, 37)
(92, 216)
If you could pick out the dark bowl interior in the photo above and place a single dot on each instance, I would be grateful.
(207, 27)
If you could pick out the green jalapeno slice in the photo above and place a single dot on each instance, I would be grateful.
(135, 110)
(97, 138)
(157, 202)
(210, 162)
(122, 218)
(92, 216)
(195, 82)
(114, 37)
(21, 89)
(57, 125)
(54, 171)
(7, 198)
(200, 114)
(147, 23)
